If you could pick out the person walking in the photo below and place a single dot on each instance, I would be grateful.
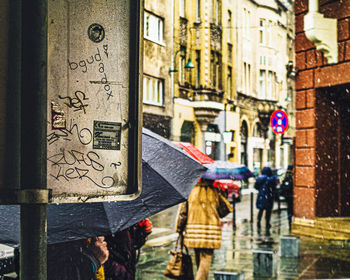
(266, 185)
(287, 192)
(199, 221)
(124, 247)
(79, 260)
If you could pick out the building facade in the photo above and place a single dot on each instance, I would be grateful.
(209, 65)
(203, 32)
(322, 181)
(264, 34)
(157, 84)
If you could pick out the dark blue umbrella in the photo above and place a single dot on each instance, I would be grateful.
(227, 170)
(168, 176)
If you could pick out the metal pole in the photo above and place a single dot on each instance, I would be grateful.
(234, 212)
(33, 259)
(251, 207)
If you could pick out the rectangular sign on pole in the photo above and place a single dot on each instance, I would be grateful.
(93, 109)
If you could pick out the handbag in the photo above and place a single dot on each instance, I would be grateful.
(224, 206)
(180, 263)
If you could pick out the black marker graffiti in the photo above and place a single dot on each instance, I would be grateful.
(115, 164)
(104, 80)
(84, 63)
(84, 135)
(105, 48)
(77, 101)
(66, 163)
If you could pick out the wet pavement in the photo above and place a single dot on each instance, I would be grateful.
(319, 259)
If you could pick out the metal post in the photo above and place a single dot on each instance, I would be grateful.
(234, 212)
(33, 259)
(251, 207)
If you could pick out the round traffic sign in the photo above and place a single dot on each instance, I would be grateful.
(279, 121)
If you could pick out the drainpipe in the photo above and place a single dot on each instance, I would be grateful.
(322, 32)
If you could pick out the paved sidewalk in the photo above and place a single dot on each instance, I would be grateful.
(318, 259)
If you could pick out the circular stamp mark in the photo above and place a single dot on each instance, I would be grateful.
(96, 32)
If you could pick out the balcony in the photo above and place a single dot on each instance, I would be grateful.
(207, 103)
(183, 31)
(215, 36)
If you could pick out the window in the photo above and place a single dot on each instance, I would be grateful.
(182, 8)
(229, 50)
(198, 68)
(182, 64)
(215, 66)
(269, 34)
(269, 85)
(217, 11)
(229, 23)
(246, 23)
(153, 89)
(245, 77)
(198, 10)
(249, 80)
(153, 28)
(262, 84)
(229, 82)
(262, 32)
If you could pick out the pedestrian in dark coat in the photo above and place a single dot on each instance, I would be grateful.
(124, 247)
(78, 260)
(287, 192)
(266, 185)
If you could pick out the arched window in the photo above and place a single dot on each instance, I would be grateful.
(187, 132)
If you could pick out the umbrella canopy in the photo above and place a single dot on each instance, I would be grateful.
(168, 176)
(227, 170)
(217, 169)
(195, 153)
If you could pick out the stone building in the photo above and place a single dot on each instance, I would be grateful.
(157, 84)
(322, 155)
(264, 49)
(204, 112)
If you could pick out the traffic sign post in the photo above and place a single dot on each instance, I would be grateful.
(279, 122)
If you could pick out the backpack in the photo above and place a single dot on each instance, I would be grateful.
(287, 186)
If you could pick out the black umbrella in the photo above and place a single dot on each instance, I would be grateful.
(168, 176)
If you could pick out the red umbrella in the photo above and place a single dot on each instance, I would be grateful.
(195, 153)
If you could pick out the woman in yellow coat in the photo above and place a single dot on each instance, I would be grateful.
(199, 220)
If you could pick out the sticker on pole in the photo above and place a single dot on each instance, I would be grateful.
(279, 121)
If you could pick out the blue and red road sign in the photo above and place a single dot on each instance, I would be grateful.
(279, 121)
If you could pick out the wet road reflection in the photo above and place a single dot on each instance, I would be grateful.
(318, 259)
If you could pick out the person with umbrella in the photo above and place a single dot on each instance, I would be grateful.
(124, 251)
(168, 176)
(199, 220)
(266, 185)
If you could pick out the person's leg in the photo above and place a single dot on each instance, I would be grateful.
(290, 211)
(260, 216)
(206, 256)
(268, 217)
(197, 255)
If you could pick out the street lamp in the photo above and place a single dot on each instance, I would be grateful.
(291, 71)
(188, 65)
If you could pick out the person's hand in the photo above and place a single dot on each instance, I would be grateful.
(100, 250)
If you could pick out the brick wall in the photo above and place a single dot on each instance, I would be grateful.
(314, 73)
